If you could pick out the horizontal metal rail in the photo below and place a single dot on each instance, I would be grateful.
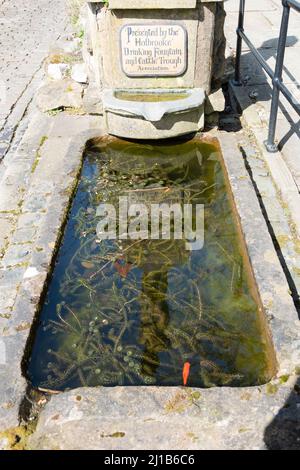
(276, 76)
(294, 4)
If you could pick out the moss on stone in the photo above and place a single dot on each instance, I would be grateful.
(271, 389)
(284, 378)
(283, 240)
(195, 395)
(44, 138)
(54, 112)
(241, 430)
(16, 438)
(115, 434)
(178, 403)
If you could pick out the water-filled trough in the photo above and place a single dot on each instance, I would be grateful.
(143, 311)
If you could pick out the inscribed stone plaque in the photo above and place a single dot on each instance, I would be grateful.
(153, 50)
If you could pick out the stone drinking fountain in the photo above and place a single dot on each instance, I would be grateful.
(154, 63)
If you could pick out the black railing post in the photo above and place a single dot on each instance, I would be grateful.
(277, 80)
(240, 28)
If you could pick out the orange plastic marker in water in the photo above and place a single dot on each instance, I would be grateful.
(186, 372)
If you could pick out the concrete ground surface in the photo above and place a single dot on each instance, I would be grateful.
(37, 177)
(27, 29)
(262, 26)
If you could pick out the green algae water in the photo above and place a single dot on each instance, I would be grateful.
(150, 97)
(134, 312)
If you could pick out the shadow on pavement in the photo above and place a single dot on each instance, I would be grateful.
(283, 433)
(268, 49)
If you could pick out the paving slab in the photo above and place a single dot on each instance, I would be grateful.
(156, 418)
(50, 165)
(27, 31)
(254, 96)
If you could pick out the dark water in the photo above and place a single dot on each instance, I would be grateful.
(134, 312)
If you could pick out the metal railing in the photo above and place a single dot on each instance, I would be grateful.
(276, 76)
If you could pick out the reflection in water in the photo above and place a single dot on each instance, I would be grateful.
(155, 318)
(136, 311)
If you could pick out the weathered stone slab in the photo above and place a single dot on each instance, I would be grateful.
(59, 94)
(26, 262)
(169, 126)
(92, 103)
(79, 73)
(26, 32)
(141, 418)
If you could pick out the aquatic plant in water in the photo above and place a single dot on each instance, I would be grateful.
(138, 311)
